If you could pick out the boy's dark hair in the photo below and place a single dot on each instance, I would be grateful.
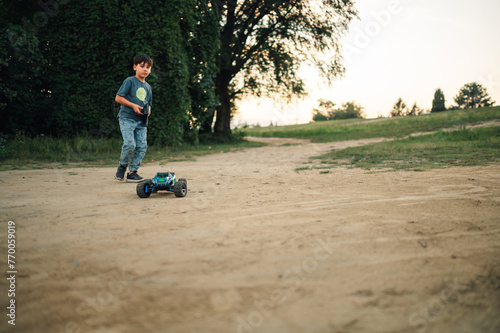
(139, 59)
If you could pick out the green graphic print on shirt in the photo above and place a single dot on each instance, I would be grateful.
(141, 94)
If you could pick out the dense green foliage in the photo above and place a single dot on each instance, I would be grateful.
(327, 111)
(63, 62)
(438, 103)
(473, 95)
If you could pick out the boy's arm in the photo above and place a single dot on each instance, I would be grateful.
(123, 101)
(150, 100)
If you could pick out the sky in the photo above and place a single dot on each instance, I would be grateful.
(401, 48)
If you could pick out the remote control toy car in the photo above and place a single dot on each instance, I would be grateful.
(163, 181)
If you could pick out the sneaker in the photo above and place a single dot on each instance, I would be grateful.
(120, 173)
(133, 177)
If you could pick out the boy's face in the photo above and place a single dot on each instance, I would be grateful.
(142, 70)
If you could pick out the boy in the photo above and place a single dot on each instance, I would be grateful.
(133, 95)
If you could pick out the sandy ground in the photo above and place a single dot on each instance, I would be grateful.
(255, 246)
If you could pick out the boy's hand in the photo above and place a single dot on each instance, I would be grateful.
(137, 109)
(122, 100)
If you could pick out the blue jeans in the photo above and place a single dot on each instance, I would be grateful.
(134, 143)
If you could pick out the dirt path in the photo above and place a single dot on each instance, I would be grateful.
(255, 247)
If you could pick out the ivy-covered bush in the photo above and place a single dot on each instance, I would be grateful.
(75, 63)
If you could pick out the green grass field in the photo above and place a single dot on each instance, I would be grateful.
(465, 147)
(353, 129)
(22, 152)
(461, 147)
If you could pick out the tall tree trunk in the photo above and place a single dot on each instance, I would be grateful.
(222, 125)
(223, 121)
(206, 127)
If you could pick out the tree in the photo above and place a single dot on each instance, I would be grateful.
(473, 95)
(264, 43)
(399, 109)
(324, 110)
(349, 110)
(318, 116)
(438, 103)
(21, 72)
(415, 110)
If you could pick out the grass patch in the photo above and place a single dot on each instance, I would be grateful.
(354, 129)
(466, 147)
(462, 147)
(22, 152)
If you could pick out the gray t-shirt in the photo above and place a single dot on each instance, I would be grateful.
(136, 92)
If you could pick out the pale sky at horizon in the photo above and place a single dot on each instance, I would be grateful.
(402, 48)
